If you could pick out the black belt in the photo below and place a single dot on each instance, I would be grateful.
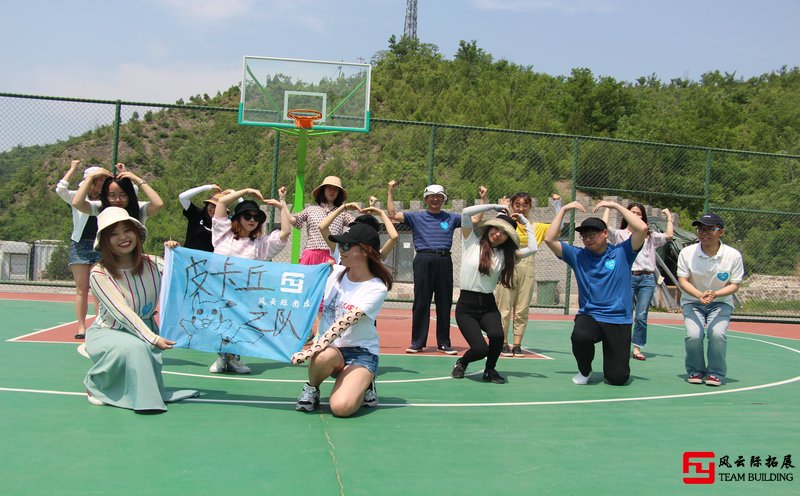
(641, 272)
(443, 253)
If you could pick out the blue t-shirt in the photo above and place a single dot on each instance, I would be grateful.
(432, 231)
(604, 281)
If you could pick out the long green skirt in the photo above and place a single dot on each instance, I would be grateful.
(127, 371)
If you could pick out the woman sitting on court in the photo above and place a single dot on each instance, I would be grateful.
(123, 341)
(488, 253)
(349, 348)
(243, 236)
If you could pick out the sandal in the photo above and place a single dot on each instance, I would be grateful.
(639, 356)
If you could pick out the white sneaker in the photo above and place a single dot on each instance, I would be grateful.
(370, 396)
(237, 367)
(308, 400)
(94, 401)
(580, 379)
(218, 366)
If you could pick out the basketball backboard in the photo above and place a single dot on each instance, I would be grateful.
(272, 87)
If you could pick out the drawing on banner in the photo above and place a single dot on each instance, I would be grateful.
(227, 304)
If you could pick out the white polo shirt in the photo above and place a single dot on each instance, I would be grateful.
(710, 273)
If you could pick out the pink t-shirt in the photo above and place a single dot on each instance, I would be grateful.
(261, 248)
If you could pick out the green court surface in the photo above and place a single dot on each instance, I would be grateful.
(537, 434)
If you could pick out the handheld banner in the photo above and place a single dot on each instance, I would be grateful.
(234, 305)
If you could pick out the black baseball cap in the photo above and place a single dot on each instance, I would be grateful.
(709, 219)
(359, 233)
(592, 224)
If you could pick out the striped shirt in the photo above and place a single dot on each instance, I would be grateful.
(312, 216)
(129, 303)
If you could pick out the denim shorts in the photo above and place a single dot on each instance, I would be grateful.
(82, 252)
(360, 357)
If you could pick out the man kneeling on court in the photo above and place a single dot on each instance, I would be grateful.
(603, 272)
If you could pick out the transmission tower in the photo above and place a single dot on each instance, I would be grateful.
(410, 30)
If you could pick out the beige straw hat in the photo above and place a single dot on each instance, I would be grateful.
(113, 215)
(330, 181)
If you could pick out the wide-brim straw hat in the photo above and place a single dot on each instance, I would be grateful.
(112, 215)
(330, 181)
(214, 199)
(504, 223)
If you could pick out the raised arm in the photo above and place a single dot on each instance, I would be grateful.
(232, 197)
(324, 226)
(156, 203)
(79, 201)
(342, 324)
(286, 224)
(551, 236)
(390, 230)
(533, 246)
(62, 187)
(482, 194)
(638, 226)
(390, 211)
(470, 213)
(670, 232)
(186, 197)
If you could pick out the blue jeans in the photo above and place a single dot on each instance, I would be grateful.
(642, 287)
(715, 317)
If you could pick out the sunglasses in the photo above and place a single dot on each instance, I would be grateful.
(255, 217)
(345, 247)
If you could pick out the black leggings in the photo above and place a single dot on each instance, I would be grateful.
(475, 312)
(616, 340)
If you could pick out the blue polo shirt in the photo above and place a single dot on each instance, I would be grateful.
(432, 231)
(604, 281)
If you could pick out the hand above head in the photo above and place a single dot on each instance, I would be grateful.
(273, 203)
(576, 205)
(555, 196)
(101, 172)
(351, 206)
(372, 200)
(257, 194)
(216, 189)
(74, 163)
(120, 167)
(282, 193)
(605, 204)
(131, 176)
(371, 210)
(482, 190)
(392, 184)
(505, 201)
(666, 213)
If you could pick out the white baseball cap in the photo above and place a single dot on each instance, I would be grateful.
(434, 189)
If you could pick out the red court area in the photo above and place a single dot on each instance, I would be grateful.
(394, 326)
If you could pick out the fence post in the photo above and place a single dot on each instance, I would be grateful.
(431, 154)
(275, 148)
(707, 184)
(117, 108)
(575, 160)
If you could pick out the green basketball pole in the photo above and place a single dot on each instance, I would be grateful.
(299, 188)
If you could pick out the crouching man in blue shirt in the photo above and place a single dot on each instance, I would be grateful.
(603, 273)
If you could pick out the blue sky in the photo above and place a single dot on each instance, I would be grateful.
(163, 50)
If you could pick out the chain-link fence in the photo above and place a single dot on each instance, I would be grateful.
(177, 147)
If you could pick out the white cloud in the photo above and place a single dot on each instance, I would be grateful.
(133, 82)
(565, 6)
(208, 10)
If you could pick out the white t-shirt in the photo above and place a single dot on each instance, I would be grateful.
(343, 296)
(471, 278)
(646, 260)
(710, 273)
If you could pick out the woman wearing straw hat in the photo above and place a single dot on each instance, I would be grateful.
(123, 341)
(328, 196)
(81, 242)
(349, 348)
(198, 225)
(242, 236)
(488, 254)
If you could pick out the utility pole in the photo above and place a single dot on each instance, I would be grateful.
(410, 30)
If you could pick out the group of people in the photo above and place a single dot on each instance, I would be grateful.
(614, 269)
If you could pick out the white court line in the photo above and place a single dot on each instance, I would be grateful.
(12, 340)
(465, 405)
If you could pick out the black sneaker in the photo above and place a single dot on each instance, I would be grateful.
(506, 351)
(517, 351)
(446, 350)
(491, 375)
(413, 349)
(458, 370)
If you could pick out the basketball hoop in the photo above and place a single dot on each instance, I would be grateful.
(304, 118)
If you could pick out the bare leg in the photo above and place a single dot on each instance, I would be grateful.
(80, 273)
(348, 392)
(326, 363)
